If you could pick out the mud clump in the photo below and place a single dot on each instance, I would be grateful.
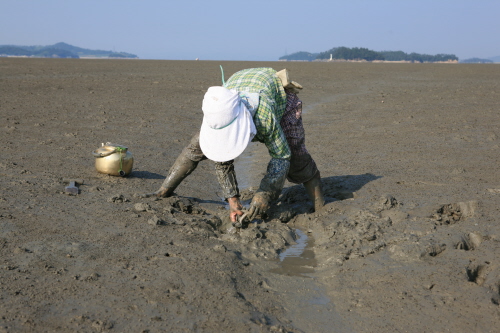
(453, 213)
(448, 214)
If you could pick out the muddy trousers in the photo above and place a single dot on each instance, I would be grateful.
(187, 162)
(302, 169)
(184, 165)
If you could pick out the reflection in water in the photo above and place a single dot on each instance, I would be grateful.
(296, 249)
(298, 259)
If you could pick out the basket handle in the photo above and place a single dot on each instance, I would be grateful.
(104, 154)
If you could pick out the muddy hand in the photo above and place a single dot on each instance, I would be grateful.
(235, 208)
(258, 206)
(241, 220)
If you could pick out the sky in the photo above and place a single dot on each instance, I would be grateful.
(261, 30)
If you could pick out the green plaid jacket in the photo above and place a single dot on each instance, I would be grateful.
(271, 108)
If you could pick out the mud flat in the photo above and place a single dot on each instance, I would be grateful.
(409, 240)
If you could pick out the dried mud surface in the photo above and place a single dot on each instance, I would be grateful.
(409, 239)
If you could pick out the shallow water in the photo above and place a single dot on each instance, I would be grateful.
(299, 258)
(295, 250)
(307, 300)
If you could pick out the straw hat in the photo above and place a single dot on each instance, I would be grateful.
(288, 84)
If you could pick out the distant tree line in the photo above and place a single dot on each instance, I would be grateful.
(417, 57)
(46, 52)
(360, 53)
(476, 61)
(345, 53)
(59, 50)
(14, 50)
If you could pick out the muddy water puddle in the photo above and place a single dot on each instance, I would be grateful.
(306, 299)
(299, 258)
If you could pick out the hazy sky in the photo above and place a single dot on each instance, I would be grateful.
(255, 29)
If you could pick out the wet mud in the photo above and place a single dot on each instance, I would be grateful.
(408, 240)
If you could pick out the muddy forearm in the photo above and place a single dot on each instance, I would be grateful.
(272, 183)
(227, 179)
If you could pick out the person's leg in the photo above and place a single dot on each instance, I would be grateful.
(315, 191)
(303, 169)
(185, 163)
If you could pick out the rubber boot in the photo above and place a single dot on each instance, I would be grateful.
(315, 192)
(182, 168)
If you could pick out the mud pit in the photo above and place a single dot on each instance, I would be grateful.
(408, 240)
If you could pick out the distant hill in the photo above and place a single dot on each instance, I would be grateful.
(345, 53)
(495, 59)
(364, 54)
(60, 50)
(300, 56)
(476, 61)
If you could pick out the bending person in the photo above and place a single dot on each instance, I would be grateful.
(257, 104)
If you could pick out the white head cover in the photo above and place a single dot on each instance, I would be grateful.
(227, 126)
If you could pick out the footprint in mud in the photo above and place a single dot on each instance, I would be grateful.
(433, 250)
(387, 202)
(496, 297)
(486, 274)
(477, 273)
(469, 242)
